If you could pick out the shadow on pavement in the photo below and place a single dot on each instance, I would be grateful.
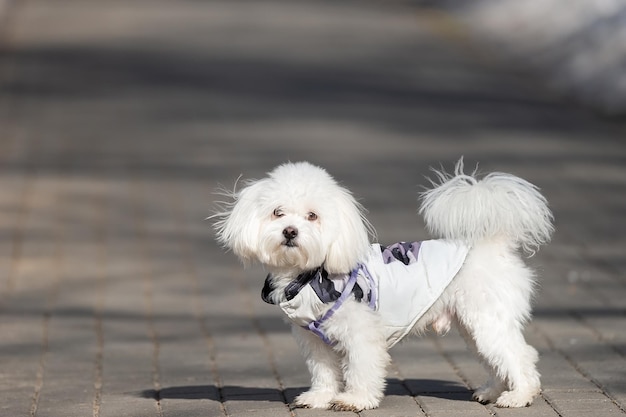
(410, 387)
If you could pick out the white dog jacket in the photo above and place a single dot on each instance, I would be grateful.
(401, 282)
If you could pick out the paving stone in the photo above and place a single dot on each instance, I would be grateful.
(452, 404)
(575, 403)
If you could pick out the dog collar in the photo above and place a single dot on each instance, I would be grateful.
(319, 281)
(294, 286)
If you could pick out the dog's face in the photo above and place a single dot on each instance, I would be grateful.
(292, 234)
(297, 219)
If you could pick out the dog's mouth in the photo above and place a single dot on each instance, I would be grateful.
(290, 243)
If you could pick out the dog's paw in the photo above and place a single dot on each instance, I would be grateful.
(347, 401)
(514, 399)
(314, 399)
(487, 393)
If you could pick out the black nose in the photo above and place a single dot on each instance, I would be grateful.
(290, 232)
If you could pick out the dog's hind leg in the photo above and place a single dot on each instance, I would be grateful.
(510, 360)
(490, 298)
(494, 386)
(325, 368)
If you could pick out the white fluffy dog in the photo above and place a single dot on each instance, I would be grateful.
(349, 301)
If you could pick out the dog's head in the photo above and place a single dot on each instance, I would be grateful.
(297, 218)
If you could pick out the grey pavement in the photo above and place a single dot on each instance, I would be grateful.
(120, 118)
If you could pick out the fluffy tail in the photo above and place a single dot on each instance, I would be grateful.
(462, 207)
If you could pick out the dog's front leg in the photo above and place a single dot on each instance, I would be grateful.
(361, 340)
(324, 366)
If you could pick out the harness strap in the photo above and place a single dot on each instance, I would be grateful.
(373, 290)
(315, 326)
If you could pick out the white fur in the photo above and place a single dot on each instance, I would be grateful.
(489, 299)
(248, 228)
(463, 207)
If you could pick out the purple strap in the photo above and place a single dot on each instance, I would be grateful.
(315, 326)
(373, 289)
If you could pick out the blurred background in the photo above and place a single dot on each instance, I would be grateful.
(578, 50)
(119, 119)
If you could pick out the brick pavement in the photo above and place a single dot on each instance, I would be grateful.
(118, 120)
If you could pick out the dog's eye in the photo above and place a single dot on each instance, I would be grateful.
(311, 216)
(278, 213)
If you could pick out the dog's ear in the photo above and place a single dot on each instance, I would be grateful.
(239, 221)
(351, 235)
